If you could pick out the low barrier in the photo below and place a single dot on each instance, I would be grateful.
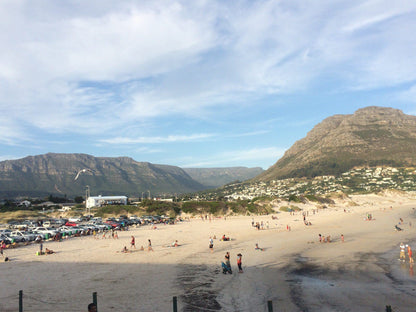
(95, 301)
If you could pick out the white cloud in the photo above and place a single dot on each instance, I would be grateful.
(158, 140)
(95, 67)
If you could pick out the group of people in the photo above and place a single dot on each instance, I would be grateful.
(133, 245)
(226, 264)
(259, 225)
(327, 239)
(403, 253)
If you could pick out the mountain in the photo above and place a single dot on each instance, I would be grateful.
(372, 136)
(216, 177)
(42, 175)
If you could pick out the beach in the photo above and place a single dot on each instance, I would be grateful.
(294, 270)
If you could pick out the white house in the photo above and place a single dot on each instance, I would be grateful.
(98, 201)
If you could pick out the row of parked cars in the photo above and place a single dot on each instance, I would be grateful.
(31, 230)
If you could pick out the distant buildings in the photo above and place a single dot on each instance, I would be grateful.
(99, 201)
(357, 180)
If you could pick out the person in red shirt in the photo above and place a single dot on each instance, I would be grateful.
(133, 242)
(410, 253)
(239, 263)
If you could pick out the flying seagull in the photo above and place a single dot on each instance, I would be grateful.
(81, 171)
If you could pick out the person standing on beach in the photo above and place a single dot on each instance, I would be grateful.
(211, 244)
(239, 263)
(92, 307)
(149, 246)
(227, 261)
(402, 254)
(133, 242)
(2, 246)
(410, 254)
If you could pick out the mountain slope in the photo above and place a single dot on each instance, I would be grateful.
(215, 177)
(55, 174)
(371, 136)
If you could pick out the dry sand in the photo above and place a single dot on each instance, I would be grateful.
(295, 271)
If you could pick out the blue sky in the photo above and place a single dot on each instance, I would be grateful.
(195, 83)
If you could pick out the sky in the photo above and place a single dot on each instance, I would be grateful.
(201, 84)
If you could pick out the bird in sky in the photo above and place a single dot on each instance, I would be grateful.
(81, 171)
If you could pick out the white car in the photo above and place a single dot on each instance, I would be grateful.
(75, 219)
(26, 236)
(44, 230)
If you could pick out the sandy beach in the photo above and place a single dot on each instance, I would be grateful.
(295, 271)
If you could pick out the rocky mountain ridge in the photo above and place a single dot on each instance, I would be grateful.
(371, 136)
(69, 174)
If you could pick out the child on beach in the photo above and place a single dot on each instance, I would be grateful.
(149, 247)
(211, 245)
(402, 254)
(258, 248)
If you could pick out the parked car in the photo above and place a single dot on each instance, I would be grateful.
(75, 219)
(7, 240)
(44, 230)
(15, 238)
(28, 237)
(67, 230)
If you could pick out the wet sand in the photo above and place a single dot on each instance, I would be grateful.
(295, 271)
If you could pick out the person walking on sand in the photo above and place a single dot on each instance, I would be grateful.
(2, 246)
(149, 246)
(92, 307)
(239, 263)
(227, 261)
(342, 237)
(402, 254)
(410, 253)
(133, 242)
(211, 245)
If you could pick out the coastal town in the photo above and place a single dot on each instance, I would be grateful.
(358, 180)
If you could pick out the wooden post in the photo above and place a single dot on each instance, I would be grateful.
(270, 306)
(94, 299)
(20, 300)
(175, 304)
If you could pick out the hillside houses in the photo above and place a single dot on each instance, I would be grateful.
(358, 180)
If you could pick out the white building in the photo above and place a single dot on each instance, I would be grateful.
(98, 201)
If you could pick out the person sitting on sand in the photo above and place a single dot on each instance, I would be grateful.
(175, 244)
(224, 238)
(125, 250)
(141, 248)
(258, 248)
(49, 251)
